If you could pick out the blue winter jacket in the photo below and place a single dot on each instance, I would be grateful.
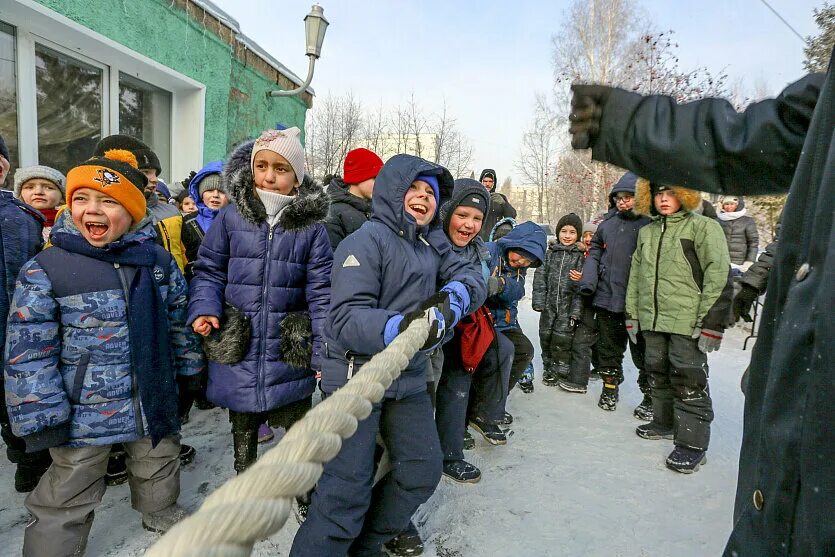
(527, 236)
(277, 276)
(205, 215)
(68, 350)
(387, 268)
(606, 270)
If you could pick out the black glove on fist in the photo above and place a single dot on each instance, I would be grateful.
(743, 302)
(587, 104)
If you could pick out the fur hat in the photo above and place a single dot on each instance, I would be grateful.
(572, 220)
(208, 183)
(115, 174)
(145, 156)
(284, 142)
(361, 165)
(644, 192)
(25, 174)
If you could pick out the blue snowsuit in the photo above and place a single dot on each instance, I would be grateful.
(384, 270)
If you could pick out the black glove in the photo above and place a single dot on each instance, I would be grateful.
(495, 285)
(743, 302)
(439, 301)
(437, 326)
(587, 104)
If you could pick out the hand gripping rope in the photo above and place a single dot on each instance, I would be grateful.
(256, 504)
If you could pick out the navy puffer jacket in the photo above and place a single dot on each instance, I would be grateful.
(279, 277)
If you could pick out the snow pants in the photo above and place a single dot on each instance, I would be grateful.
(484, 393)
(611, 346)
(522, 354)
(63, 502)
(347, 515)
(582, 342)
(680, 396)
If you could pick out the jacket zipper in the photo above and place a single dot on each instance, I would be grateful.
(264, 317)
(657, 258)
(137, 406)
(167, 238)
(559, 281)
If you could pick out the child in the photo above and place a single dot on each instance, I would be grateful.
(680, 316)
(476, 361)
(185, 203)
(41, 187)
(385, 276)
(96, 339)
(351, 197)
(510, 257)
(264, 269)
(205, 188)
(556, 296)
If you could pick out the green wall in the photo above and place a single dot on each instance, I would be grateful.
(236, 103)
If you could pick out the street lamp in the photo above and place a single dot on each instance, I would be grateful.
(315, 26)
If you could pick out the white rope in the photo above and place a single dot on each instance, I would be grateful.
(256, 504)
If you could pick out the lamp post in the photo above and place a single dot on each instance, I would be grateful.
(315, 26)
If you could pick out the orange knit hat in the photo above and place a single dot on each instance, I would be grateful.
(115, 174)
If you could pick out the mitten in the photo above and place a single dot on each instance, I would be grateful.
(587, 103)
(632, 328)
(743, 302)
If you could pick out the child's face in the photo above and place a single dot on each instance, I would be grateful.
(273, 173)
(151, 175)
(518, 261)
(420, 202)
(100, 218)
(666, 202)
(214, 199)
(568, 235)
(188, 206)
(624, 201)
(40, 193)
(464, 225)
(587, 236)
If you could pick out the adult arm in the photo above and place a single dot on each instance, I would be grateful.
(757, 275)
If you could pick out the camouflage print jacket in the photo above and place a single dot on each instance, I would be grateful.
(68, 375)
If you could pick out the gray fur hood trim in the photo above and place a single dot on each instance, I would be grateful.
(309, 207)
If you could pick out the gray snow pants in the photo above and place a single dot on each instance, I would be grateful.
(680, 395)
(63, 502)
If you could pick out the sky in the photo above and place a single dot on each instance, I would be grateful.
(487, 59)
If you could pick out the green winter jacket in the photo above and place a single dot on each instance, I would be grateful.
(679, 277)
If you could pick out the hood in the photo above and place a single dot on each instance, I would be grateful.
(465, 188)
(528, 237)
(502, 222)
(142, 232)
(309, 207)
(214, 167)
(491, 172)
(625, 183)
(338, 193)
(390, 189)
(689, 199)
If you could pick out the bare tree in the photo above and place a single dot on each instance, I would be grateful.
(451, 148)
(331, 130)
(538, 156)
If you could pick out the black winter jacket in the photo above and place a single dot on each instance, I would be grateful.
(554, 293)
(785, 488)
(347, 212)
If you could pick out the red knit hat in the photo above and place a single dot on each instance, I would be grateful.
(360, 165)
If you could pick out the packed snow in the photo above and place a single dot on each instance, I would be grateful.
(572, 480)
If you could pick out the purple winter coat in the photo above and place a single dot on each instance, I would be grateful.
(279, 278)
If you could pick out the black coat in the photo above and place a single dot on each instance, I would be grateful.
(742, 237)
(347, 212)
(785, 489)
(500, 208)
(554, 293)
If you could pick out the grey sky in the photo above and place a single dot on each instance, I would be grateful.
(488, 58)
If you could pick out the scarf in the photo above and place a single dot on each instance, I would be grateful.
(49, 215)
(205, 216)
(732, 215)
(150, 353)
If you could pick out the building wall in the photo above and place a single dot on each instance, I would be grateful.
(236, 103)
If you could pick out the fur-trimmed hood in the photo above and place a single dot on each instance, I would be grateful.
(309, 207)
(689, 199)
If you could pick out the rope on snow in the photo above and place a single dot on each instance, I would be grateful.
(256, 504)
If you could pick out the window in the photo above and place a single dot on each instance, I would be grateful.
(145, 113)
(69, 107)
(8, 94)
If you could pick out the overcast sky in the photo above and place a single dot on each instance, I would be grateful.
(488, 58)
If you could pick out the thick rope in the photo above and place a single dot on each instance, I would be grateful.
(256, 504)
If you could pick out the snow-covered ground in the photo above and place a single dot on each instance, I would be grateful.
(572, 480)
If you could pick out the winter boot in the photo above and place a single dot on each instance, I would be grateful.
(469, 442)
(563, 369)
(162, 521)
(644, 410)
(526, 384)
(567, 385)
(507, 420)
(27, 475)
(594, 375)
(686, 460)
(406, 543)
(491, 432)
(654, 431)
(117, 469)
(245, 444)
(461, 471)
(187, 453)
(265, 433)
(608, 396)
(549, 377)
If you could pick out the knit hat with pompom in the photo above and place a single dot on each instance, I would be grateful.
(114, 174)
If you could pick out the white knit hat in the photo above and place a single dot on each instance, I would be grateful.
(25, 174)
(284, 142)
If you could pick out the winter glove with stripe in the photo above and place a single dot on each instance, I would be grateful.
(709, 340)
(632, 329)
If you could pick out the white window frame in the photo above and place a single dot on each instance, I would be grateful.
(35, 23)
